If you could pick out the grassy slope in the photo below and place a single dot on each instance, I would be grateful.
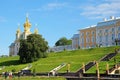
(102, 65)
(75, 58)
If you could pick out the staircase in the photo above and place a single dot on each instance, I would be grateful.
(53, 71)
(90, 64)
(28, 67)
(108, 57)
(87, 67)
(114, 68)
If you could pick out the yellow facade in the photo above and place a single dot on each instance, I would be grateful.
(105, 33)
(88, 37)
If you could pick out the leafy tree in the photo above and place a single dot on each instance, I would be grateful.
(63, 41)
(33, 48)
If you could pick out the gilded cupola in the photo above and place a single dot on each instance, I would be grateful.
(27, 23)
(18, 30)
(27, 26)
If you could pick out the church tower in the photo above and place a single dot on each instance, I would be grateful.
(27, 26)
(18, 33)
(14, 47)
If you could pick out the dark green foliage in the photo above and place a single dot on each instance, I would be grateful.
(63, 41)
(33, 48)
(34, 72)
(13, 70)
(45, 55)
(78, 47)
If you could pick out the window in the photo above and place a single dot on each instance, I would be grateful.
(118, 28)
(106, 31)
(112, 29)
(100, 38)
(106, 38)
(119, 36)
(113, 37)
(82, 34)
(100, 31)
(82, 40)
(87, 33)
(87, 39)
(93, 33)
(93, 39)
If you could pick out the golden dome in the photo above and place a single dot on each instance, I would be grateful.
(27, 24)
(18, 30)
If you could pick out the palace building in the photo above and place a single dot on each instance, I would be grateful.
(14, 47)
(108, 31)
(105, 33)
(88, 37)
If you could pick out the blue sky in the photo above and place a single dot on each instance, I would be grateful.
(54, 18)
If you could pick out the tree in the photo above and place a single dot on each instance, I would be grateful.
(63, 41)
(116, 41)
(33, 48)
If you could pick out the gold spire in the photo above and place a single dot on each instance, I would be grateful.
(18, 30)
(27, 23)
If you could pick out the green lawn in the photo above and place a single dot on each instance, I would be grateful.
(102, 64)
(75, 58)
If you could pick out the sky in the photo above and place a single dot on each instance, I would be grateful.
(54, 18)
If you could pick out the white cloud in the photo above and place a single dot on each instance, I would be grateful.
(113, 0)
(51, 6)
(108, 8)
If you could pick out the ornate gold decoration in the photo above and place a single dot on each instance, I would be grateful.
(27, 23)
(18, 30)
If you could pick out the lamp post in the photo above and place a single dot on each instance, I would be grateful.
(97, 71)
(68, 67)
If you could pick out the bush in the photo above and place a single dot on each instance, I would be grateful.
(13, 70)
(34, 72)
(45, 55)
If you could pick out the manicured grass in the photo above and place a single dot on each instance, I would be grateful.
(75, 58)
(102, 64)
